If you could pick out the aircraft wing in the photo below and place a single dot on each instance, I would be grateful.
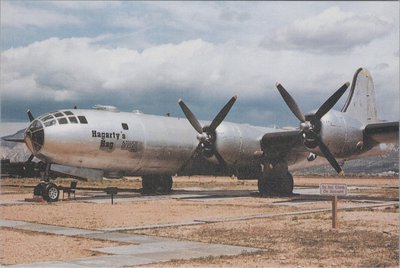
(287, 144)
(283, 144)
(384, 132)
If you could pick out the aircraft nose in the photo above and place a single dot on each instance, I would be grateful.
(34, 136)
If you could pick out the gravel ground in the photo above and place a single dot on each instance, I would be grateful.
(365, 237)
(26, 247)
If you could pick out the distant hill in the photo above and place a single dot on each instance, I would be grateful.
(381, 166)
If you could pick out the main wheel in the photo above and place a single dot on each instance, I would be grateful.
(156, 184)
(165, 185)
(287, 184)
(262, 185)
(51, 193)
(148, 186)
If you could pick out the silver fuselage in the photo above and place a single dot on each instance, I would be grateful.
(150, 145)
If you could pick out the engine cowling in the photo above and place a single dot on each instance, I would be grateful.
(343, 135)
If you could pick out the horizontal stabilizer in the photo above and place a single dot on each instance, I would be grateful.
(385, 132)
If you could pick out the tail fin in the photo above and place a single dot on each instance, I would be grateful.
(360, 103)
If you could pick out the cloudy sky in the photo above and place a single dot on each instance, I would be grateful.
(147, 55)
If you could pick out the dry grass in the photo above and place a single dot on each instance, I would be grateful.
(301, 240)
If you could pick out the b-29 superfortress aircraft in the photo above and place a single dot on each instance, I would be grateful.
(91, 144)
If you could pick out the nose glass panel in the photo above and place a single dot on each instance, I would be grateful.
(35, 133)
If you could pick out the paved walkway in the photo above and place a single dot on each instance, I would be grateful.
(142, 249)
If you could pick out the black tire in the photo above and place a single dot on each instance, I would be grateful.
(165, 184)
(51, 193)
(39, 189)
(262, 185)
(274, 186)
(147, 185)
(156, 184)
(287, 184)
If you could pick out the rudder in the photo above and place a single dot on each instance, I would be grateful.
(361, 103)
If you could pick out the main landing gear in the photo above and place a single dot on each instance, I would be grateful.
(156, 184)
(275, 179)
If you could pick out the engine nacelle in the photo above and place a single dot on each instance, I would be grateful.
(343, 135)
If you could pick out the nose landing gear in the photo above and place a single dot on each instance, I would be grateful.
(49, 191)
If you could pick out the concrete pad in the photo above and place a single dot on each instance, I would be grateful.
(55, 264)
(44, 228)
(174, 249)
(151, 226)
(126, 238)
(111, 261)
(15, 202)
(146, 250)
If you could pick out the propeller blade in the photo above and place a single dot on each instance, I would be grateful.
(328, 155)
(194, 155)
(31, 118)
(30, 158)
(190, 116)
(331, 101)
(222, 114)
(220, 159)
(291, 103)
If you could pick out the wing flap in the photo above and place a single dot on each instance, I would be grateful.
(385, 132)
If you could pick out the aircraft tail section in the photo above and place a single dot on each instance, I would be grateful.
(361, 103)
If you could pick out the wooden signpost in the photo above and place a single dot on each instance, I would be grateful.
(334, 190)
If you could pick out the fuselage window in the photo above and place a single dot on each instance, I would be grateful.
(58, 114)
(62, 120)
(68, 113)
(50, 123)
(43, 116)
(47, 117)
(73, 120)
(125, 126)
(82, 119)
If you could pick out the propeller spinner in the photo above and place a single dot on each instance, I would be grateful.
(310, 125)
(207, 135)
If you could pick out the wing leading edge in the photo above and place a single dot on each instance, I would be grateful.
(385, 132)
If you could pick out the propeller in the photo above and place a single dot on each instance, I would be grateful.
(207, 135)
(31, 118)
(310, 125)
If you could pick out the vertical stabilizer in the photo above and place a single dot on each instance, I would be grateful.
(360, 103)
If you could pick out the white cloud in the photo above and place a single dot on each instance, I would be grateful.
(333, 30)
(208, 50)
(76, 68)
(19, 16)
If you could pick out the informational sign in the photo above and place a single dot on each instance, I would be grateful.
(333, 189)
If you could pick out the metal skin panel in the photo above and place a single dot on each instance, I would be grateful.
(152, 145)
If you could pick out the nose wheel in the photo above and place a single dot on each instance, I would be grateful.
(49, 191)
